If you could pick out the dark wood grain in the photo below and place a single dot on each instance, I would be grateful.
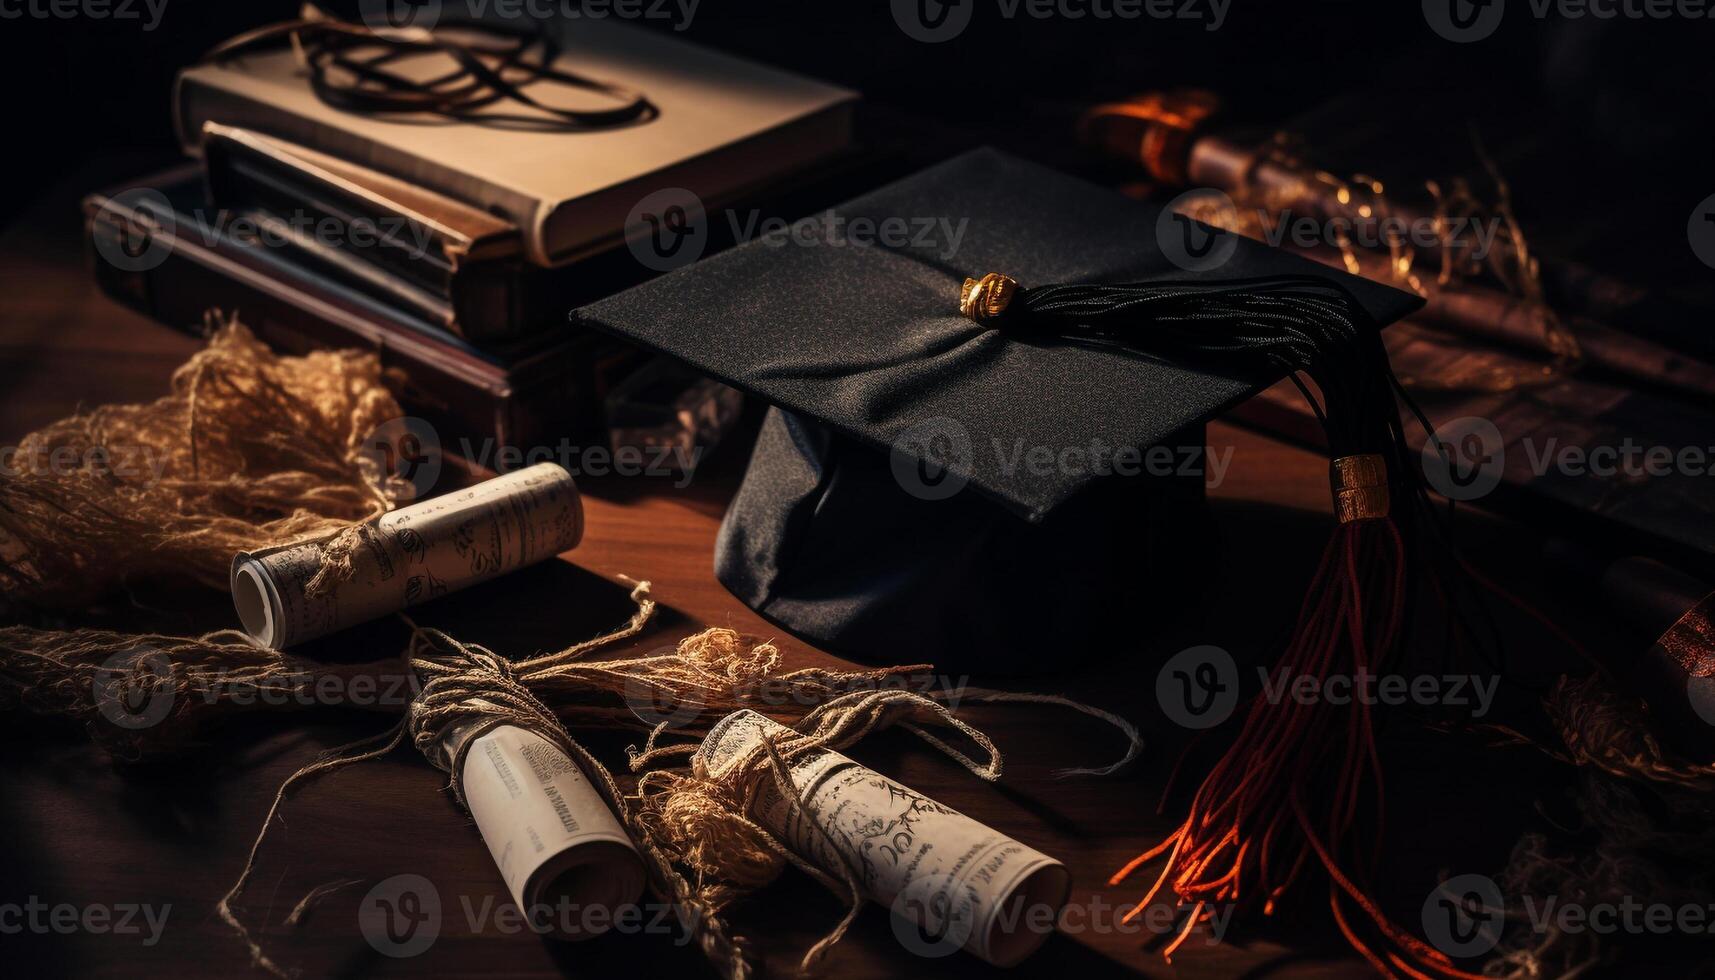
(79, 829)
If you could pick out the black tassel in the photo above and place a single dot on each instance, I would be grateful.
(1301, 781)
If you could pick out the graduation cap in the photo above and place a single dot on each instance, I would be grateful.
(966, 491)
(896, 506)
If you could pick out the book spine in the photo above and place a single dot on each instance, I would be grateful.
(195, 102)
(463, 397)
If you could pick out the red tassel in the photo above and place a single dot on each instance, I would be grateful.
(1266, 809)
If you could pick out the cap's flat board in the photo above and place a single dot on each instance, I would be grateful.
(868, 337)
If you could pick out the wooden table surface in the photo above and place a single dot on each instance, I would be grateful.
(79, 829)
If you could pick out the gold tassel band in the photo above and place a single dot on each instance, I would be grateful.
(984, 299)
(1360, 487)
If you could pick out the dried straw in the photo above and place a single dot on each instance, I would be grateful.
(249, 449)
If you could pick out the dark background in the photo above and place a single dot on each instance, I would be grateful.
(1603, 126)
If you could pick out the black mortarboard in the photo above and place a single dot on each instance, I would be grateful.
(848, 530)
(1066, 314)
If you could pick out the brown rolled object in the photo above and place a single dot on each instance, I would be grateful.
(1167, 134)
(1492, 315)
(1675, 676)
(1164, 133)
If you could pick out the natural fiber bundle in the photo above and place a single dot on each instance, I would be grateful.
(132, 691)
(700, 821)
(1613, 733)
(703, 678)
(1641, 831)
(249, 449)
(145, 696)
(553, 694)
(1630, 842)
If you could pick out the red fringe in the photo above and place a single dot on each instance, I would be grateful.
(1249, 833)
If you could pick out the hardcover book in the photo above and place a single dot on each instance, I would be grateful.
(726, 125)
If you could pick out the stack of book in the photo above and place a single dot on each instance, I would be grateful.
(456, 248)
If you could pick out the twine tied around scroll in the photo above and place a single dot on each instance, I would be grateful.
(248, 449)
(712, 672)
(702, 819)
(336, 564)
(466, 685)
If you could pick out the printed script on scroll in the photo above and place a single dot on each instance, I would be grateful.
(566, 860)
(411, 555)
(962, 881)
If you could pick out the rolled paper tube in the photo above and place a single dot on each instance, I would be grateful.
(961, 883)
(566, 860)
(411, 555)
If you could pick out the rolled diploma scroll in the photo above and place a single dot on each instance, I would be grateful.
(959, 880)
(417, 553)
(567, 861)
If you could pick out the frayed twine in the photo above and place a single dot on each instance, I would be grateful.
(702, 819)
(248, 449)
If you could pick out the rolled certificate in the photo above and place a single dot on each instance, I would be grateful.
(411, 555)
(964, 884)
(569, 864)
